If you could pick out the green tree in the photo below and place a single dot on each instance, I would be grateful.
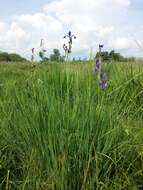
(4, 56)
(111, 56)
(56, 56)
(42, 56)
(116, 56)
(16, 58)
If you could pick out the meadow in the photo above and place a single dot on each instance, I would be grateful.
(60, 131)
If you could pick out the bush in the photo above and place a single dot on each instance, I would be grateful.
(113, 56)
(16, 57)
(6, 57)
(56, 56)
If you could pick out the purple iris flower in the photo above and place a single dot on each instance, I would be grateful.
(98, 69)
(97, 66)
(102, 84)
(70, 36)
(103, 80)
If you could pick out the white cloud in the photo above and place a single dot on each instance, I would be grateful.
(105, 31)
(121, 43)
(92, 21)
(14, 39)
(124, 3)
(40, 21)
(2, 27)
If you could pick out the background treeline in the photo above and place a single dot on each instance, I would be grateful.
(56, 56)
(113, 56)
(11, 57)
(106, 56)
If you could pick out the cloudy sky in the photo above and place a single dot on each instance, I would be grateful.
(115, 23)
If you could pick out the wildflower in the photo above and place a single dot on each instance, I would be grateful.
(68, 48)
(100, 50)
(96, 68)
(97, 64)
(102, 84)
(103, 80)
(70, 36)
(100, 47)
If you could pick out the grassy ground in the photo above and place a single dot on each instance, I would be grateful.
(60, 131)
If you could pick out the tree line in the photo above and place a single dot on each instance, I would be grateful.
(11, 57)
(113, 56)
(56, 56)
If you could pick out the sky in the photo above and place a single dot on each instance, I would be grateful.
(115, 23)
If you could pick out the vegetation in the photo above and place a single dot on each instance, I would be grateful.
(113, 56)
(60, 131)
(11, 57)
(56, 56)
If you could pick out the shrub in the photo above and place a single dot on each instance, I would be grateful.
(6, 57)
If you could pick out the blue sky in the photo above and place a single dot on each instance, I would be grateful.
(115, 23)
(12, 7)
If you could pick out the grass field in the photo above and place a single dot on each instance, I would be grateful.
(60, 131)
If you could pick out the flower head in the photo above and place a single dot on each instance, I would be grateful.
(97, 66)
(102, 84)
(70, 36)
(102, 76)
(100, 49)
(69, 33)
(103, 80)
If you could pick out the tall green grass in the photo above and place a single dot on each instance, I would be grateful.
(60, 131)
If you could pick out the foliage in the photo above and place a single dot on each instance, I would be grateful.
(113, 56)
(43, 57)
(60, 131)
(12, 57)
(56, 56)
